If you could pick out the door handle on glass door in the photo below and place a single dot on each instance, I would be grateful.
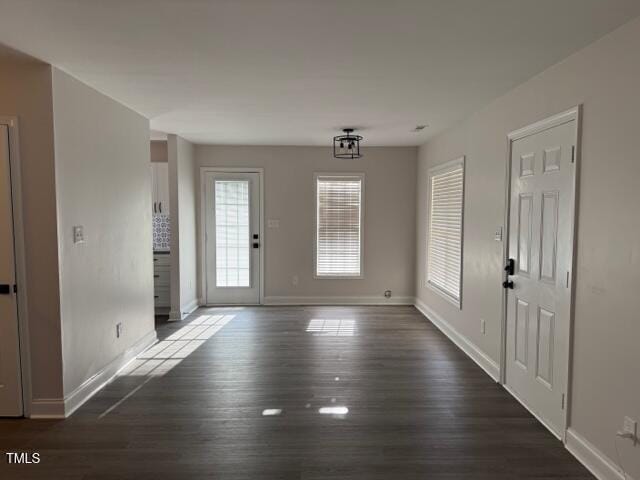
(508, 284)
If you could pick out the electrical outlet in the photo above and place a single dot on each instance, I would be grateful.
(118, 330)
(483, 326)
(630, 427)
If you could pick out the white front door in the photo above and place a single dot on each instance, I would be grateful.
(541, 249)
(10, 377)
(232, 217)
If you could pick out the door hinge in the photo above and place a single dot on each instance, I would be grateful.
(563, 397)
(573, 154)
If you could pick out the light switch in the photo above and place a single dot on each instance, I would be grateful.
(78, 234)
(498, 235)
(273, 223)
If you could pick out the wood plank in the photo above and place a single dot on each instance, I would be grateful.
(418, 407)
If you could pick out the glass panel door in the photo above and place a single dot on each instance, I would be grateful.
(232, 247)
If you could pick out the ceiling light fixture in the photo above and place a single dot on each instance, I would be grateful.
(347, 145)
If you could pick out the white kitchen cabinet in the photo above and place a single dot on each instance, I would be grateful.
(160, 187)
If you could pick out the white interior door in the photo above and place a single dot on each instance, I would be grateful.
(10, 377)
(541, 246)
(232, 217)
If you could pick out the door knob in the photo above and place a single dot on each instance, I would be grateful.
(508, 284)
(5, 289)
(256, 245)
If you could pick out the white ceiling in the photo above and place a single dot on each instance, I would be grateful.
(292, 72)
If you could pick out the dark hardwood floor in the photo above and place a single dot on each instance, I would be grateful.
(237, 394)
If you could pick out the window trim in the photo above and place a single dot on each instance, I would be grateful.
(344, 176)
(438, 170)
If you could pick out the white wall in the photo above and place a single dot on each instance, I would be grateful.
(183, 193)
(25, 92)
(606, 377)
(389, 224)
(103, 184)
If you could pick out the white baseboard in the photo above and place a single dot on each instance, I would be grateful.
(47, 408)
(275, 300)
(62, 408)
(185, 311)
(586, 453)
(486, 363)
(602, 467)
(191, 307)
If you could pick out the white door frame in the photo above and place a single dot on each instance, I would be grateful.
(203, 219)
(20, 259)
(573, 114)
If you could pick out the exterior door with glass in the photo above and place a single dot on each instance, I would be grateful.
(232, 238)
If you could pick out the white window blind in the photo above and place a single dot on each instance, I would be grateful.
(444, 255)
(338, 226)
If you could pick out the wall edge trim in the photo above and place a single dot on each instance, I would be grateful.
(478, 356)
(601, 466)
(363, 300)
(47, 408)
(93, 385)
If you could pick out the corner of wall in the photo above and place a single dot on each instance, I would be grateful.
(183, 194)
(26, 93)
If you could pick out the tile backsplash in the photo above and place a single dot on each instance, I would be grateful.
(161, 232)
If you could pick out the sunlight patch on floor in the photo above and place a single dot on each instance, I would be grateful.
(166, 354)
(161, 358)
(333, 410)
(332, 327)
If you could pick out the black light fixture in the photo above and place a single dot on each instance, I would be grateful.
(347, 145)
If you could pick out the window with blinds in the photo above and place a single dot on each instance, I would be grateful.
(339, 226)
(444, 253)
